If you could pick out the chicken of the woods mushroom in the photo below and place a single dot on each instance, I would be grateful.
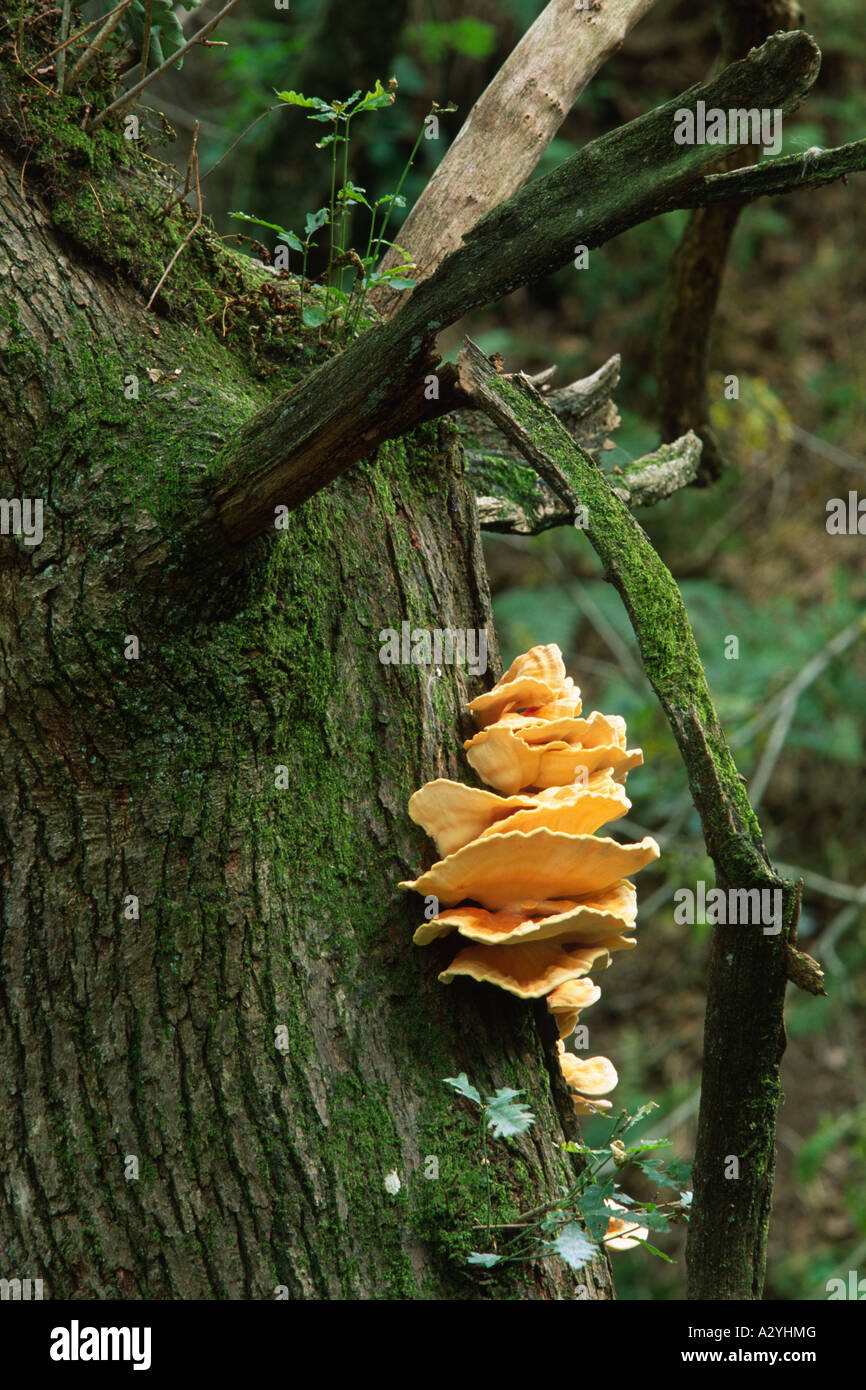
(540, 900)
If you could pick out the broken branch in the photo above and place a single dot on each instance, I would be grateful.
(743, 1046)
(386, 382)
(509, 128)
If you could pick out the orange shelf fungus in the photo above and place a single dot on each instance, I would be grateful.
(539, 898)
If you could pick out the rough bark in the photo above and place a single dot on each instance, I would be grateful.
(148, 1031)
(510, 127)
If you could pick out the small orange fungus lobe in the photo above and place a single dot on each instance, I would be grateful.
(622, 1234)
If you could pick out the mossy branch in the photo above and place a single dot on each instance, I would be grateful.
(379, 387)
(749, 968)
(512, 499)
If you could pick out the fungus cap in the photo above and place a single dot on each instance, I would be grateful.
(592, 1076)
(530, 972)
(604, 916)
(534, 679)
(454, 815)
(529, 868)
(522, 694)
(566, 1002)
(583, 1106)
(507, 762)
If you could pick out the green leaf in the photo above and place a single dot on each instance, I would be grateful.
(166, 35)
(639, 1115)
(570, 1147)
(650, 1166)
(676, 1174)
(505, 1118)
(488, 1261)
(291, 240)
(351, 194)
(592, 1207)
(572, 1246)
(398, 282)
(653, 1251)
(649, 1144)
(315, 220)
(463, 1087)
(258, 222)
(653, 1220)
(298, 99)
(314, 316)
(375, 99)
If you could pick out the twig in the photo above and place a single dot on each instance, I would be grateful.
(91, 51)
(773, 751)
(825, 450)
(844, 917)
(698, 264)
(374, 390)
(126, 97)
(828, 887)
(193, 159)
(784, 175)
(64, 31)
(279, 107)
(73, 38)
(192, 231)
(145, 43)
(810, 673)
(644, 483)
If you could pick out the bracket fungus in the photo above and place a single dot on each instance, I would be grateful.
(539, 898)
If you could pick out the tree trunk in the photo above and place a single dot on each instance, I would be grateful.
(166, 908)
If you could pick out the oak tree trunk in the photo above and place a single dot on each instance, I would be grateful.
(168, 899)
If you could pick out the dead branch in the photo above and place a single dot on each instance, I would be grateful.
(744, 1035)
(509, 128)
(386, 382)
